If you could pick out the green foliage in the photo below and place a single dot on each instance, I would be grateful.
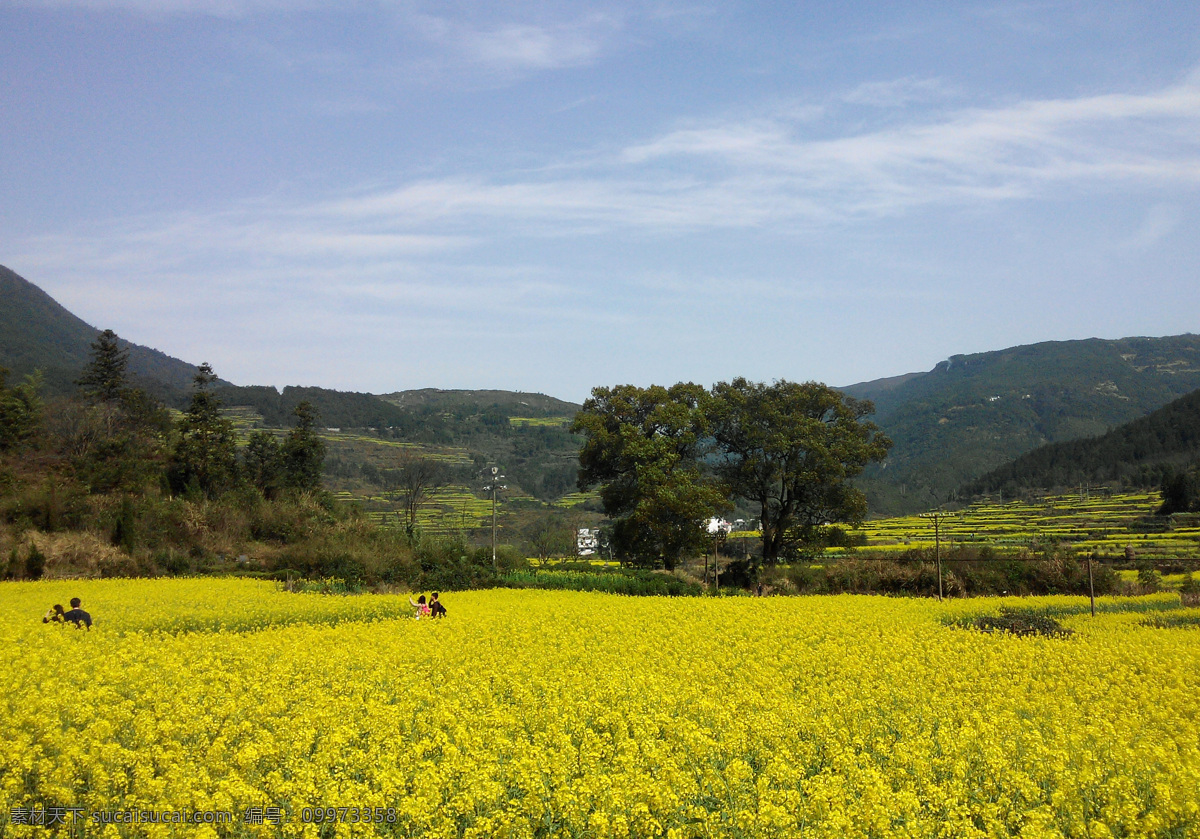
(35, 563)
(792, 449)
(636, 582)
(262, 463)
(643, 447)
(1181, 490)
(1148, 577)
(451, 564)
(303, 452)
(114, 437)
(205, 456)
(104, 378)
(125, 532)
(974, 413)
(20, 410)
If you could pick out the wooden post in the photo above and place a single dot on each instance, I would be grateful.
(1091, 586)
(716, 564)
(937, 542)
(937, 551)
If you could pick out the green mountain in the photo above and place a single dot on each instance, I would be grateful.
(973, 413)
(513, 404)
(38, 333)
(1139, 452)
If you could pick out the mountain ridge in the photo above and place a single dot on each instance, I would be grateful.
(37, 332)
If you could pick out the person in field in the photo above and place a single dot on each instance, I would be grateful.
(55, 615)
(436, 609)
(77, 616)
(421, 606)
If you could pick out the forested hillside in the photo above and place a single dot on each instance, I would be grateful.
(1141, 453)
(974, 413)
(36, 333)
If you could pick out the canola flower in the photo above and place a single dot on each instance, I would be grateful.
(539, 714)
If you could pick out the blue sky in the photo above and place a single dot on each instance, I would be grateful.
(384, 195)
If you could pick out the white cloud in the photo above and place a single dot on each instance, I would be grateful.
(899, 92)
(458, 244)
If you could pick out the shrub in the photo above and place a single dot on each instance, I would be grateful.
(1021, 622)
(1148, 577)
(35, 563)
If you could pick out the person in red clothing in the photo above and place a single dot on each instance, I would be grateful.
(421, 606)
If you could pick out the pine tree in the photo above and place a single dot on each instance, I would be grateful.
(105, 377)
(205, 458)
(303, 452)
(20, 409)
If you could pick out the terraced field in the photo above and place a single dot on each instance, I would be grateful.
(1106, 525)
(450, 455)
(539, 422)
(574, 499)
(449, 510)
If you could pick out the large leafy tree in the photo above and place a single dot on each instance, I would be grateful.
(792, 450)
(643, 447)
(205, 456)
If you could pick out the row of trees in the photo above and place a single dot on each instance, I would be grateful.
(117, 438)
(668, 459)
(205, 459)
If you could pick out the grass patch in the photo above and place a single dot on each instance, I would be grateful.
(638, 583)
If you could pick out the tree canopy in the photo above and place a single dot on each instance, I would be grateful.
(792, 450)
(205, 457)
(104, 378)
(643, 447)
(667, 459)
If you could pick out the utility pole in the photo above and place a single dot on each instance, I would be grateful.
(1091, 586)
(493, 486)
(937, 517)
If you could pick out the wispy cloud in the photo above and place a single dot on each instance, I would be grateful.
(897, 93)
(733, 174)
(455, 243)
(515, 46)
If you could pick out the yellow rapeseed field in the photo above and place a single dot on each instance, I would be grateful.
(530, 713)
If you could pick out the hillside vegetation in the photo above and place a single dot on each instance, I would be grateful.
(1141, 453)
(36, 333)
(974, 413)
